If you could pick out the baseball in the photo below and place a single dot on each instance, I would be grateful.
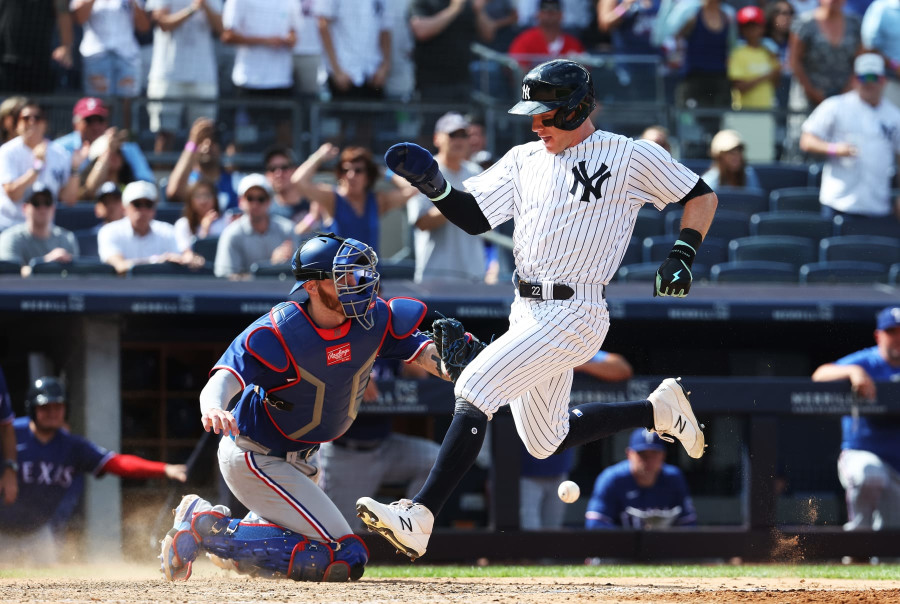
(568, 491)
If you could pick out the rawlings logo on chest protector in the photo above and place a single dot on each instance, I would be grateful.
(337, 354)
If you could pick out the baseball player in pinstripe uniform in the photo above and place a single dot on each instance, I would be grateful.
(574, 196)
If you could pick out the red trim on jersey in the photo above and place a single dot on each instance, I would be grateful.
(259, 358)
(132, 466)
(232, 371)
(418, 351)
(326, 334)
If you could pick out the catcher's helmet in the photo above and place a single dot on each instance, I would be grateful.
(558, 84)
(43, 391)
(349, 263)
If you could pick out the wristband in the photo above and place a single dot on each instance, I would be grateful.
(620, 10)
(831, 150)
(190, 146)
(685, 249)
(38, 165)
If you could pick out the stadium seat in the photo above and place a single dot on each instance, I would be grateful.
(843, 271)
(850, 225)
(795, 199)
(634, 251)
(206, 248)
(10, 268)
(729, 225)
(281, 271)
(169, 212)
(713, 250)
(645, 272)
(76, 218)
(797, 224)
(87, 242)
(894, 274)
(400, 269)
(745, 200)
(698, 166)
(753, 271)
(814, 175)
(778, 175)
(78, 266)
(861, 248)
(169, 269)
(773, 248)
(650, 222)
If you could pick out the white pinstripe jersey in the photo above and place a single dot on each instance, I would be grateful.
(574, 211)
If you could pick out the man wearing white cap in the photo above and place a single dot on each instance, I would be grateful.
(859, 132)
(139, 238)
(257, 236)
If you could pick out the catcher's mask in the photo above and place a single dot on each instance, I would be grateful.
(349, 263)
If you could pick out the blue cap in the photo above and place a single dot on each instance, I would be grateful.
(889, 317)
(644, 440)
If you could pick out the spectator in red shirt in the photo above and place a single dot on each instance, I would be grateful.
(546, 40)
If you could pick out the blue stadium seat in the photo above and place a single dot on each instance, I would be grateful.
(87, 242)
(894, 274)
(843, 271)
(778, 175)
(644, 271)
(78, 266)
(814, 176)
(798, 224)
(206, 248)
(773, 248)
(650, 222)
(713, 250)
(850, 225)
(400, 269)
(698, 166)
(795, 199)
(76, 218)
(169, 212)
(745, 200)
(634, 252)
(169, 269)
(9, 268)
(265, 269)
(861, 248)
(729, 225)
(753, 271)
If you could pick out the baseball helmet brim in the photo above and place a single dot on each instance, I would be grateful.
(532, 108)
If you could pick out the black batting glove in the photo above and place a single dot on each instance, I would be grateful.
(417, 166)
(674, 277)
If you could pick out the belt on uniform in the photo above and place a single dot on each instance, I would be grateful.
(271, 400)
(289, 456)
(549, 290)
(357, 445)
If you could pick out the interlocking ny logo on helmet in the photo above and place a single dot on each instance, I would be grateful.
(559, 84)
(349, 263)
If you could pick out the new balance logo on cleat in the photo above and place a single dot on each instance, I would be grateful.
(680, 424)
(405, 523)
(672, 415)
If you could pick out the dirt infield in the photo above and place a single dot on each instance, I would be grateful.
(211, 585)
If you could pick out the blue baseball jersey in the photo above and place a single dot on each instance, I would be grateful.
(303, 385)
(879, 435)
(6, 412)
(47, 472)
(616, 495)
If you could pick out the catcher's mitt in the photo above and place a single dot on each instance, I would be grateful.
(454, 345)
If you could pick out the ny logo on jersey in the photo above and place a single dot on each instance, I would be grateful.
(581, 177)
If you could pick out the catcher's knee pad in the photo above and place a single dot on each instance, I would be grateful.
(351, 550)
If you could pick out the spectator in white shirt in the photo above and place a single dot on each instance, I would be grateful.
(183, 65)
(31, 157)
(111, 57)
(138, 238)
(257, 237)
(308, 52)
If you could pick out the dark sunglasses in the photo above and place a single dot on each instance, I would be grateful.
(95, 119)
(256, 198)
(143, 204)
(278, 168)
(31, 117)
(869, 78)
(459, 134)
(41, 202)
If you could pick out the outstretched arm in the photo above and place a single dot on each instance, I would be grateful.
(860, 381)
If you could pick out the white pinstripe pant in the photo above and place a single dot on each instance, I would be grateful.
(281, 492)
(530, 367)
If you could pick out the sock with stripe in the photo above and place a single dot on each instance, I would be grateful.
(460, 447)
(593, 421)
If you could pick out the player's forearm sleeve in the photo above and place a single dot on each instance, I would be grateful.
(219, 390)
(462, 209)
(131, 466)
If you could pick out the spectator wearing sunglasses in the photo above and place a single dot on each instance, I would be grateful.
(38, 237)
(138, 238)
(287, 200)
(29, 158)
(859, 134)
(258, 236)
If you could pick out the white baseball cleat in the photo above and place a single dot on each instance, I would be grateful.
(407, 525)
(672, 415)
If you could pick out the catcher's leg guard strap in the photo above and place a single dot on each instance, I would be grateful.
(459, 450)
(593, 421)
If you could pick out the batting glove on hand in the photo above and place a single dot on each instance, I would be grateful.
(674, 277)
(418, 166)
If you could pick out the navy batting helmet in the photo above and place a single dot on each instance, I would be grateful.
(349, 263)
(43, 391)
(558, 84)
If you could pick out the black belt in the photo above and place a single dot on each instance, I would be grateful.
(528, 289)
(357, 445)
